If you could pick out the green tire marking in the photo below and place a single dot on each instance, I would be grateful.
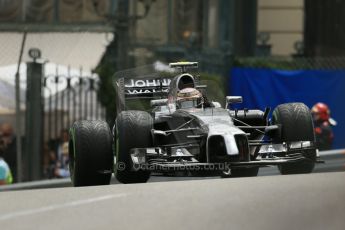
(116, 142)
(72, 134)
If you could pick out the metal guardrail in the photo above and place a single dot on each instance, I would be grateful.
(59, 183)
(42, 184)
(332, 152)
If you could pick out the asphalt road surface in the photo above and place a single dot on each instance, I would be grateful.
(310, 201)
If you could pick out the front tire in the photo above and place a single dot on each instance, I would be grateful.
(90, 153)
(296, 125)
(132, 130)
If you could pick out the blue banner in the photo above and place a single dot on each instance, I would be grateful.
(268, 87)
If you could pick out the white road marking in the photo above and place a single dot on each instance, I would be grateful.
(59, 206)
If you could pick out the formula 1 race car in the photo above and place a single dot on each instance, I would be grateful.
(185, 131)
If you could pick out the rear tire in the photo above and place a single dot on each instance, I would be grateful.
(132, 130)
(90, 153)
(296, 125)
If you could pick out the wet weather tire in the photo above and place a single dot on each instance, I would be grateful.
(90, 153)
(296, 125)
(132, 130)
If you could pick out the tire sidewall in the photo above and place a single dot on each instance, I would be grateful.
(296, 124)
(90, 152)
(132, 130)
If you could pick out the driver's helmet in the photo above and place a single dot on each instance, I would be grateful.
(320, 112)
(188, 98)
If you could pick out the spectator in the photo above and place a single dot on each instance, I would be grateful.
(61, 169)
(49, 161)
(323, 126)
(5, 172)
(10, 148)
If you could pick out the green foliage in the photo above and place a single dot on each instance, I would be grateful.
(291, 63)
(216, 87)
(270, 63)
(138, 104)
(106, 92)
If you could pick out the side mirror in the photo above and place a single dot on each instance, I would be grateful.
(232, 100)
(159, 102)
(273, 131)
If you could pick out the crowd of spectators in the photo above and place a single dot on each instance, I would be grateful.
(8, 156)
(55, 156)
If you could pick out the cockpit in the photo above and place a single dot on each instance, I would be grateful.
(189, 98)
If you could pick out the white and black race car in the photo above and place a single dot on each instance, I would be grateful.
(185, 131)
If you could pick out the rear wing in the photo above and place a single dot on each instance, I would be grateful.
(149, 87)
(142, 83)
